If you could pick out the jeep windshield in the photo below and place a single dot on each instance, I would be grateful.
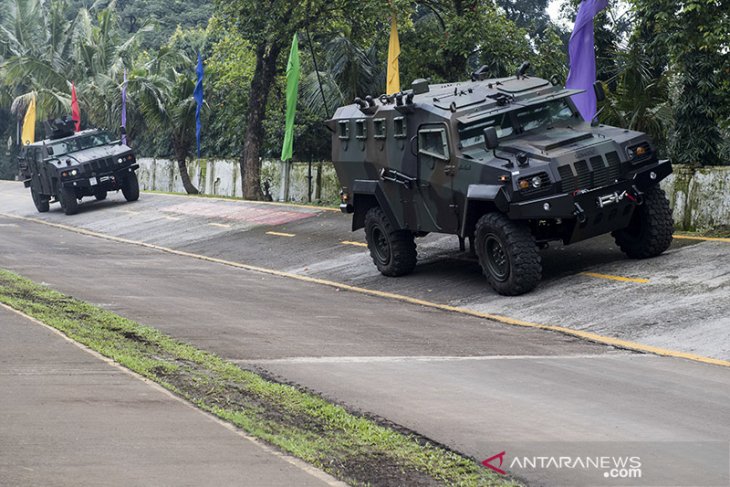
(529, 118)
(79, 143)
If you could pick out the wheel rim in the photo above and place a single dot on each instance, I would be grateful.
(381, 245)
(496, 257)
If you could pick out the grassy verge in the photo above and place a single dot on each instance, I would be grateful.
(352, 448)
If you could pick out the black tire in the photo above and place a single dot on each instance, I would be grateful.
(41, 202)
(393, 251)
(130, 187)
(100, 195)
(651, 227)
(508, 254)
(68, 200)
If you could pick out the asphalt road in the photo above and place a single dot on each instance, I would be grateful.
(69, 418)
(677, 301)
(477, 386)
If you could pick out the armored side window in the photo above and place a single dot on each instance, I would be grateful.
(344, 127)
(433, 142)
(379, 131)
(361, 129)
(399, 128)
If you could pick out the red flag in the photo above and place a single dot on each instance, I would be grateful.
(75, 112)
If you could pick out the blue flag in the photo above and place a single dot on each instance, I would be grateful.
(583, 58)
(124, 107)
(198, 95)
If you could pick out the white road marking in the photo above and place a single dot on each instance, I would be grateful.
(427, 358)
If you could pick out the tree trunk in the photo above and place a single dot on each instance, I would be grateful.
(185, 177)
(263, 80)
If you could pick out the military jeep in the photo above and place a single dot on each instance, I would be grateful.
(69, 166)
(508, 164)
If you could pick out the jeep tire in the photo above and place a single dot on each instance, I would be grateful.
(393, 251)
(651, 227)
(508, 254)
(68, 200)
(130, 187)
(41, 202)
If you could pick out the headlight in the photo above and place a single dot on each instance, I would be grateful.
(631, 154)
(639, 152)
(536, 182)
(74, 172)
(120, 160)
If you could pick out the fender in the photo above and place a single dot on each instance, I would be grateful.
(366, 194)
(480, 199)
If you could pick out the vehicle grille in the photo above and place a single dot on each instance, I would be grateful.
(99, 165)
(580, 175)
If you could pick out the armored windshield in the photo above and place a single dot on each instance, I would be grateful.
(528, 118)
(79, 143)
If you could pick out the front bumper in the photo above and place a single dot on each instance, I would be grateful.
(106, 181)
(597, 211)
(564, 205)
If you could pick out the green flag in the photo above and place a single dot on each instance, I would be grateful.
(292, 90)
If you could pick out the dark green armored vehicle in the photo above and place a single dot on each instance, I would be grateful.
(68, 166)
(506, 163)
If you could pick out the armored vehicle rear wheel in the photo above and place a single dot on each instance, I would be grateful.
(650, 231)
(69, 203)
(41, 202)
(100, 195)
(393, 251)
(508, 254)
(130, 187)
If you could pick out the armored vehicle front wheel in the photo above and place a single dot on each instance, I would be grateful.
(68, 200)
(100, 195)
(651, 227)
(41, 202)
(508, 254)
(393, 251)
(130, 187)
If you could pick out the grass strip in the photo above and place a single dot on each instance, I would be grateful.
(350, 447)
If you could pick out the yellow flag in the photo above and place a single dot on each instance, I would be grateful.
(393, 75)
(28, 136)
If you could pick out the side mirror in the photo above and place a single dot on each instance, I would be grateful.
(598, 89)
(490, 138)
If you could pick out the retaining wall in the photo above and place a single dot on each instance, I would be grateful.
(700, 198)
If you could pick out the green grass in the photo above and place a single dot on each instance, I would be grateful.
(353, 448)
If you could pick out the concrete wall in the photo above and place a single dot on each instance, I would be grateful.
(700, 197)
(223, 178)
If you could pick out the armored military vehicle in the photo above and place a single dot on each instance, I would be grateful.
(508, 164)
(69, 166)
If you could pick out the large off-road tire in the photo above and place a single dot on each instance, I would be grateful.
(130, 187)
(100, 195)
(393, 251)
(651, 227)
(68, 200)
(508, 254)
(41, 202)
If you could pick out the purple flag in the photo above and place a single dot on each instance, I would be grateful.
(583, 58)
(124, 108)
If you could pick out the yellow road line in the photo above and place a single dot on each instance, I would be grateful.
(219, 225)
(615, 278)
(357, 244)
(281, 234)
(586, 335)
(708, 239)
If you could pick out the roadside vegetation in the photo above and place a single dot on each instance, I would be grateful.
(349, 446)
(665, 64)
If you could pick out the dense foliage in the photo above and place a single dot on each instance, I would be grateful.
(665, 64)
